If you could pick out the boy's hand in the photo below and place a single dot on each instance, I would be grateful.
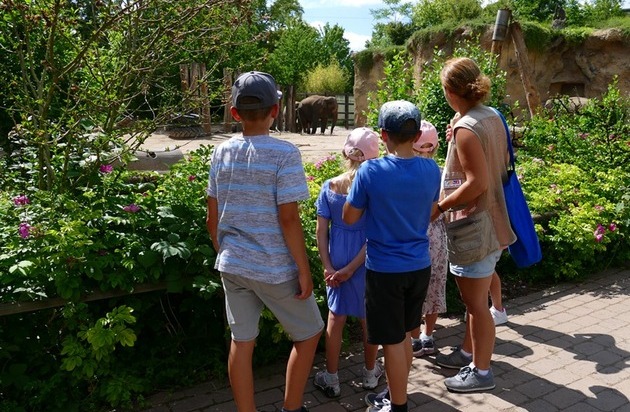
(306, 286)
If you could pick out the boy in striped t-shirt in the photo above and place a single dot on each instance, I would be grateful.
(253, 191)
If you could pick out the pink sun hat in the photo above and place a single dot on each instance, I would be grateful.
(363, 139)
(429, 135)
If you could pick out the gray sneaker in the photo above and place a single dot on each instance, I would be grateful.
(453, 360)
(330, 389)
(469, 380)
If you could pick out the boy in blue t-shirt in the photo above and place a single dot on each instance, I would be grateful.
(397, 193)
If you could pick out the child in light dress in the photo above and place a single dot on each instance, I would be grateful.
(342, 252)
(435, 302)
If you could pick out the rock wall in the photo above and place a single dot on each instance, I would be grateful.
(584, 69)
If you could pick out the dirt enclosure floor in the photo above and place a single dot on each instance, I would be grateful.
(159, 151)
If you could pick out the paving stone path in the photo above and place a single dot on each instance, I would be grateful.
(566, 348)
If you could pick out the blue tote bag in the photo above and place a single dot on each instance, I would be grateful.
(526, 250)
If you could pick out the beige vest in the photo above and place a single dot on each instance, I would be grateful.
(488, 127)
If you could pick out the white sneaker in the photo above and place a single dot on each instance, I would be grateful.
(499, 317)
(370, 378)
(386, 407)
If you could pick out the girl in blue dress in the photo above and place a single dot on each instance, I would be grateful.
(342, 252)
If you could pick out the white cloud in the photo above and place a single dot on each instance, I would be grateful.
(357, 41)
(320, 4)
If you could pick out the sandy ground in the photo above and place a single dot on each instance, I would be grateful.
(159, 150)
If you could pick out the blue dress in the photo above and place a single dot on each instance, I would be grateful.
(345, 241)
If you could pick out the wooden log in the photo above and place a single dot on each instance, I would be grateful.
(23, 307)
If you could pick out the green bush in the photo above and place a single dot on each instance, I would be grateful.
(125, 229)
(327, 80)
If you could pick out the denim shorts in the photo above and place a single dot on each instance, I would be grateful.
(478, 270)
(245, 299)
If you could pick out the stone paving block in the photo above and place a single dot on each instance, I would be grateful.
(539, 405)
(433, 406)
(536, 387)
(562, 398)
(193, 403)
(607, 399)
(272, 381)
(513, 397)
(585, 407)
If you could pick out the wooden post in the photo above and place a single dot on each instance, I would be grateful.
(531, 94)
(346, 109)
(206, 121)
(280, 118)
(290, 102)
(227, 116)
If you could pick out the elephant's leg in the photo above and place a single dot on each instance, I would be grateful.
(324, 124)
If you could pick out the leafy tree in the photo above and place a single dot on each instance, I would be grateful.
(390, 28)
(71, 68)
(537, 10)
(284, 12)
(327, 80)
(297, 51)
(393, 11)
(592, 13)
(427, 13)
(301, 48)
(336, 48)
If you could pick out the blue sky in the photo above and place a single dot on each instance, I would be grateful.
(353, 15)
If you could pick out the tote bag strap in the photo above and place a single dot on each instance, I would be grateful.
(509, 140)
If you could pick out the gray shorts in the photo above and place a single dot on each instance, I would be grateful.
(245, 299)
(478, 270)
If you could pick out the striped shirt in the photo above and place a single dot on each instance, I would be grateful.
(250, 176)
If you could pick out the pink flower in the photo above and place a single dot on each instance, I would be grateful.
(21, 200)
(24, 230)
(106, 169)
(132, 208)
(612, 227)
(583, 135)
(599, 208)
(599, 237)
(191, 178)
(600, 229)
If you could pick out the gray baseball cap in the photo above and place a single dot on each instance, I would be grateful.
(394, 114)
(255, 84)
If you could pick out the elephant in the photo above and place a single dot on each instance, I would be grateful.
(317, 108)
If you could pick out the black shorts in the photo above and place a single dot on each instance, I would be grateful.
(393, 304)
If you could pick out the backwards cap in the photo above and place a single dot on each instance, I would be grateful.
(394, 114)
(255, 84)
(364, 139)
(429, 135)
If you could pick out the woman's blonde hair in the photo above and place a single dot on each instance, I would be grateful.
(463, 77)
